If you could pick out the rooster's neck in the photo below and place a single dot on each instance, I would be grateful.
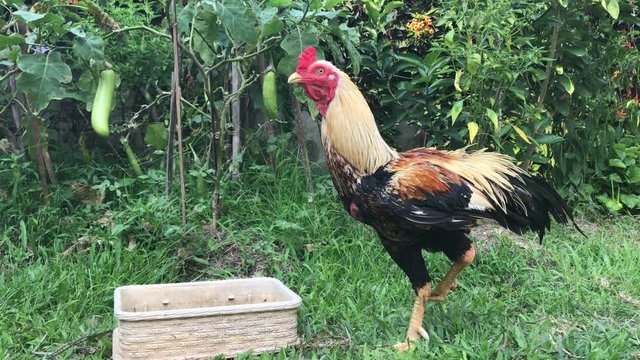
(350, 129)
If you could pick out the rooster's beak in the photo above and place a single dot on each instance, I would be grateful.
(294, 78)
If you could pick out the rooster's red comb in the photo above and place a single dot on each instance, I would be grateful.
(305, 59)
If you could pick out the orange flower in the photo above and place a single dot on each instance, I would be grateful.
(420, 25)
(620, 114)
(615, 74)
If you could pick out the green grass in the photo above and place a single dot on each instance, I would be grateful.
(573, 297)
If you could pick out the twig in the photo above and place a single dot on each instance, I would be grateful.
(186, 50)
(197, 109)
(139, 27)
(145, 107)
(73, 343)
(8, 74)
(243, 57)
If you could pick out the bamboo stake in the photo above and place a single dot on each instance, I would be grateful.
(177, 95)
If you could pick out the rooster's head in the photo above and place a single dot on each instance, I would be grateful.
(319, 78)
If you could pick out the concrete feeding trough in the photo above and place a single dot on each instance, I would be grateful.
(204, 319)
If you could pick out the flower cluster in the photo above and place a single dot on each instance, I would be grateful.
(420, 25)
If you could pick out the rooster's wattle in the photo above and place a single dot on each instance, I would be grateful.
(423, 198)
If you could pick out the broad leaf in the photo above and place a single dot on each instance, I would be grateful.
(287, 65)
(629, 200)
(633, 174)
(473, 130)
(448, 37)
(566, 83)
(27, 16)
(549, 139)
(612, 7)
(330, 4)
(89, 48)
(280, 3)
(617, 163)
(87, 84)
(297, 41)
(269, 22)
(236, 19)
(390, 6)
(494, 119)
(456, 109)
(612, 204)
(521, 133)
(473, 63)
(13, 39)
(42, 78)
(156, 135)
(349, 36)
(186, 16)
(205, 34)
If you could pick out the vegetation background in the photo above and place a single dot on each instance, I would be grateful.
(554, 84)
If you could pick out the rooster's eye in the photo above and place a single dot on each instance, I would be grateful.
(320, 71)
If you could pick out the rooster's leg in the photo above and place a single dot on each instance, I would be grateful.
(415, 330)
(449, 281)
(409, 258)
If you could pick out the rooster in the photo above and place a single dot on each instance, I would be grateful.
(423, 198)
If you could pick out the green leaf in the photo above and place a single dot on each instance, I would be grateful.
(330, 4)
(494, 119)
(612, 205)
(236, 19)
(615, 178)
(549, 139)
(287, 65)
(42, 78)
(13, 39)
(372, 10)
(186, 16)
(280, 3)
(297, 41)
(349, 36)
(579, 52)
(473, 62)
(612, 7)
(563, 3)
(269, 22)
(633, 174)
(629, 200)
(566, 83)
(390, 6)
(456, 109)
(448, 37)
(205, 34)
(521, 133)
(89, 48)
(156, 135)
(410, 59)
(27, 16)
(617, 163)
(87, 84)
(473, 130)
(539, 74)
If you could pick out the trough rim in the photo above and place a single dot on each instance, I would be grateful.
(293, 303)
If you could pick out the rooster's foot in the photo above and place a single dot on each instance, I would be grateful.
(414, 335)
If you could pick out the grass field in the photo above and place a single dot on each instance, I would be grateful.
(573, 297)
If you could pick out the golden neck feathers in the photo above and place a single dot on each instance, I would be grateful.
(350, 129)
